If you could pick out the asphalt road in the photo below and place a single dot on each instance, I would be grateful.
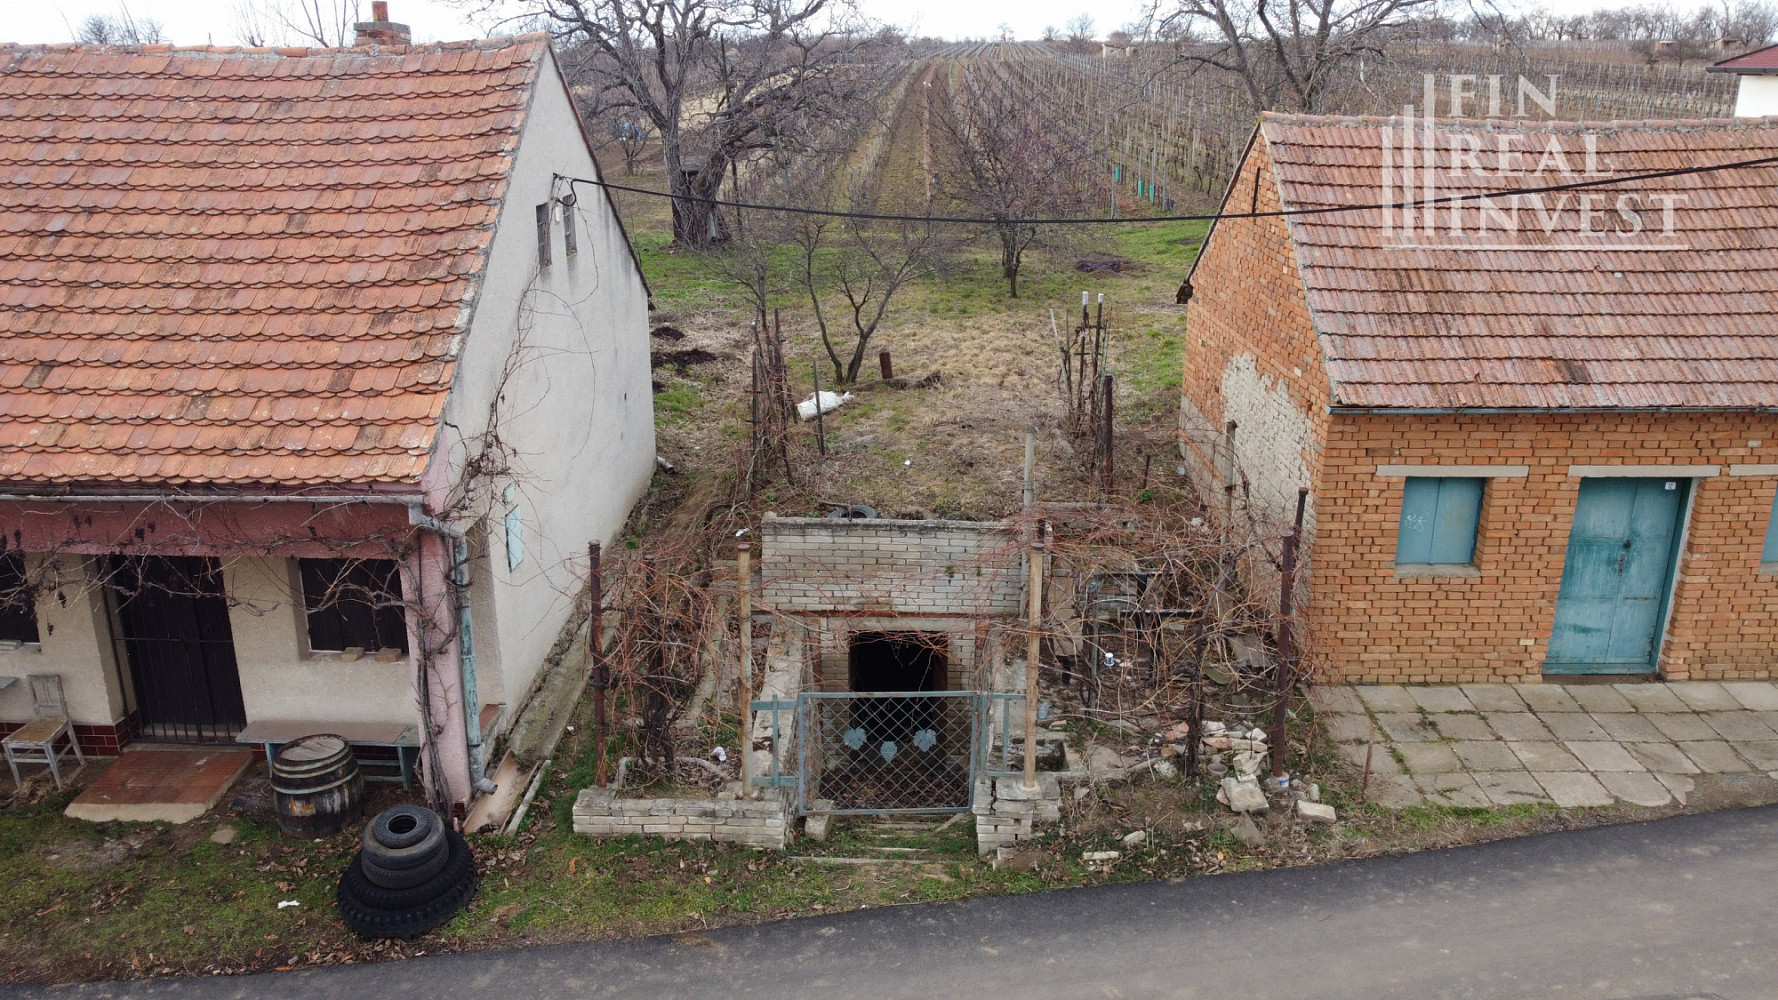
(1680, 908)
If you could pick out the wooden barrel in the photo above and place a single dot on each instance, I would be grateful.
(316, 786)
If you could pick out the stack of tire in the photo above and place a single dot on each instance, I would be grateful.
(412, 874)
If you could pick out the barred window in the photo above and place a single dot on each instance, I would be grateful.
(353, 602)
(18, 600)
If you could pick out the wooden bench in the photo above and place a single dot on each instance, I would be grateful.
(403, 738)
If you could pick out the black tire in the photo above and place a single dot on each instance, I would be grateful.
(372, 922)
(403, 878)
(401, 826)
(380, 857)
(361, 886)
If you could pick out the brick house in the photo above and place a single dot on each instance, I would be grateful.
(1537, 430)
(316, 379)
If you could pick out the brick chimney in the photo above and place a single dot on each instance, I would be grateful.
(379, 30)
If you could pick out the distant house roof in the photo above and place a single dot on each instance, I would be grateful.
(1759, 61)
(243, 266)
(1534, 318)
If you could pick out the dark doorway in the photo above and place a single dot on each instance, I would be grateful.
(180, 648)
(896, 662)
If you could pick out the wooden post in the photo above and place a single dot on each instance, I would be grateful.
(1106, 439)
(1030, 497)
(1033, 642)
(1285, 651)
(820, 424)
(601, 671)
(886, 365)
(743, 579)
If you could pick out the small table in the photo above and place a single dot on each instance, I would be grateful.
(403, 738)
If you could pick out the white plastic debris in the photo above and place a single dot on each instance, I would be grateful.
(1090, 856)
(830, 401)
(282, 903)
(720, 753)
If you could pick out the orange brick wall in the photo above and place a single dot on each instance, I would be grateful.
(1249, 301)
(1369, 626)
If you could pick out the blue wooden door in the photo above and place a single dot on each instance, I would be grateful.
(1616, 576)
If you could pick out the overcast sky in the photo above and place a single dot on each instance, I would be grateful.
(201, 22)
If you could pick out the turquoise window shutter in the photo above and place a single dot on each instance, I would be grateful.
(515, 538)
(1771, 552)
(1439, 517)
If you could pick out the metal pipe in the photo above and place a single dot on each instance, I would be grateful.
(1285, 651)
(743, 578)
(407, 500)
(596, 649)
(472, 723)
(1033, 642)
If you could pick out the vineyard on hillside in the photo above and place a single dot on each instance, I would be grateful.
(1152, 132)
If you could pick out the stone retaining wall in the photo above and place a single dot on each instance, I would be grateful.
(1007, 812)
(764, 823)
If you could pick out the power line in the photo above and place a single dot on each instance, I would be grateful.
(1452, 199)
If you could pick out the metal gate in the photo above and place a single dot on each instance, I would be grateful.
(877, 753)
(179, 647)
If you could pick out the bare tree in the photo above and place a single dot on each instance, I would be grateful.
(1081, 31)
(1285, 52)
(122, 29)
(867, 262)
(715, 79)
(328, 24)
(1006, 159)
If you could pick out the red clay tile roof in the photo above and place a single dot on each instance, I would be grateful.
(1536, 319)
(1758, 61)
(243, 266)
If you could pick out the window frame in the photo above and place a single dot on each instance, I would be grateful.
(19, 614)
(352, 617)
(1451, 497)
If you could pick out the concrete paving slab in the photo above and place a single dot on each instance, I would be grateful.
(1441, 699)
(1682, 726)
(1758, 696)
(1705, 696)
(1599, 698)
(1651, 697)
(1429, 758)
(1381, 760)
(1636, 789)
(1548, 698)
(1338, 698)
(1603, 756)
(1661, 757)
(1574, 790)
(1769, 718)
(1404, 727)
(1545, 757)
(1487, 755)
(1574, 726)
(1350, 728)
(1494, 697)
(1458, 790)
(1762, 754)
(1519, 727)
(1680, 785)
(1714, 757)
(1386, 697)
(1738, 726)
(1392, 791)
(1462, 726)
(1510, 788)
(1628, 727)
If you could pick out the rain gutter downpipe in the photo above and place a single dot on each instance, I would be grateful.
(459, 547)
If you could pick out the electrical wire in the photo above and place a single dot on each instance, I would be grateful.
(1452, 199)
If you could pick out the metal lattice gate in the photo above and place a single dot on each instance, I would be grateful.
(888, 752)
